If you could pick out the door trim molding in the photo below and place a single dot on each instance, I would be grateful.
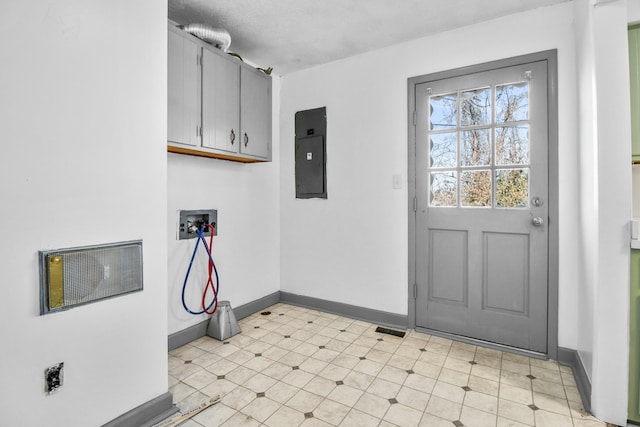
(551, 57)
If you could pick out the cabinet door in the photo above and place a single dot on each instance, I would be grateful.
(255, 113)
(220, 102)
(183, 91)
(634, 339)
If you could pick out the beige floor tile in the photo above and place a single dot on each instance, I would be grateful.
(331, 412)
(448, 391)
(551, 404)
(548, 387)
(549, 419)
(429, 420)
(372, 404)
(515, 380)
(368, 367)
(218, 387)
(240, 420)
(486, 372)
(277, 370)
(395, 375)
(304, 401)
(259, 383)
(453, 377)
(483, 385)
(313, 366)
(320, 386)
(458, 365)
(489, 352)
(181, 391)
(437, 359)
(314, 422)
(200, 379)
(293, 359)
(420, 383)
(437, 347)
(260, 409)
(356, 418)
(516, 358)
(334, 372)
(408, 352)
(337, 345)
(346, 361)
(413, 398)
(241, 374)
(356, 350)
(443, 408)
(325, 355)
(516, 394)
(297, 378)
(383, 388)
(488, 361)
(281, 392)
(222, 367)
(402, 362)
(358, 380)
(403, 416)
(476, 418)
(552, 375)
(378, 355)
(462, 353)
(483, 402)
(504, 422)
(516, 412)
(345, 395)
(241, 357)
(547, 364)
(515, 367)
(215, 415)
(238, 398)
(186, 370)
(426, 369)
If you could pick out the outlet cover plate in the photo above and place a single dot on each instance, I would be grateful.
(189, 217)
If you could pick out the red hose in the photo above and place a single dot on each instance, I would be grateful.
(210, 280)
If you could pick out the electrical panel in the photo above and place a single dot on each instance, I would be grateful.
(311, 153)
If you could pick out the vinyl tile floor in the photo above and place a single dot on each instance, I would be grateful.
(302, 367)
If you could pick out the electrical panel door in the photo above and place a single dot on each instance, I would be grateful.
(311, 153)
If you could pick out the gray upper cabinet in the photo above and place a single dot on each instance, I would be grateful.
(183, 124)
(220, 107)
(255, 99)
(220, 102)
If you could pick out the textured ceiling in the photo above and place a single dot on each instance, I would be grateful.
(290, 35)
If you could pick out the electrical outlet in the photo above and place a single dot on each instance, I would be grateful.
(191, 221)
(53, 378)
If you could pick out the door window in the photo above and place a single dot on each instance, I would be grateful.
(479, 147)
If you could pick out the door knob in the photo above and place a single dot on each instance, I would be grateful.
(537, 221)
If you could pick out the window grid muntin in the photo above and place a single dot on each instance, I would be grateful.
(493, 166)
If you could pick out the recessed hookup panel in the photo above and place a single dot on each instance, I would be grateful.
(311, 153)
(190, 221)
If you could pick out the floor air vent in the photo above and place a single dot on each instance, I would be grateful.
(77, 276)
(390, 332)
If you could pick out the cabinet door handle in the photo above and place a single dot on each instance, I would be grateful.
(232, 137)
(246, 139)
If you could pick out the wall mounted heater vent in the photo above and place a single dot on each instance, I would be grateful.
(77, 276)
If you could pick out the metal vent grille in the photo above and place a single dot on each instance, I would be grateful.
(71, 277)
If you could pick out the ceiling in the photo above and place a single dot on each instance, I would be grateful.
(290, 35)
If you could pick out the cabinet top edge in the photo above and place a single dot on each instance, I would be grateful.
(174, 27)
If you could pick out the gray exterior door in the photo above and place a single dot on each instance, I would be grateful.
(481, 205)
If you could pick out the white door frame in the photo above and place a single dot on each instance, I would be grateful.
(550, 56)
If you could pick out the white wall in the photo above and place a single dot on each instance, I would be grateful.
(83, 107)
(247, 248)
(605, 188)
(352, 248)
